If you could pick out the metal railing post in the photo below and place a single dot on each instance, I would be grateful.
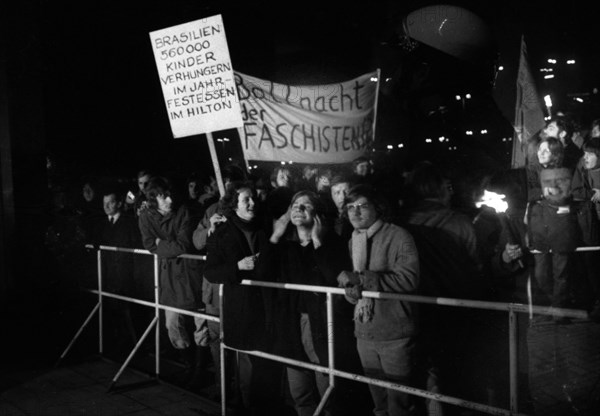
(79, 331)
(222, 353)
(100, 311)
(513, 363)
(157, 317)
(131, 354)
(330, 354)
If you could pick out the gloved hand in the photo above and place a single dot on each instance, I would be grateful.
(353, 293)
(346, 279)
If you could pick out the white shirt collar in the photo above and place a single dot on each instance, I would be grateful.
(116, 216)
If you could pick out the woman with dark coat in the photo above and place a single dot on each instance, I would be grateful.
(300, 250)
(232, 252)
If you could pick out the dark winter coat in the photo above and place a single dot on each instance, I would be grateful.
(553, 228)
(243, 314)
(117, 267)
(448, 252)
(289, 262)
(180, 279)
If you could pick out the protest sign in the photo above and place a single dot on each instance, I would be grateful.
(325, 124)
(196, 77)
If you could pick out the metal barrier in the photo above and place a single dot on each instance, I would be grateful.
(156, 305)
(511, 308)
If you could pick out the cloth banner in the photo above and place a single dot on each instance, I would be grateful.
(331, 123)
(529, 115)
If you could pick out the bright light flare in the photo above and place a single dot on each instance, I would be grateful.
(493, 200)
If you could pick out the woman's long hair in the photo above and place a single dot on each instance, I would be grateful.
(230, 199)
(291, 231)
(557, 151)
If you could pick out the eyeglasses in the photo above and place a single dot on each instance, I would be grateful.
(355, 207)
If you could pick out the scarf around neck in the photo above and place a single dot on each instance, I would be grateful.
(249, 229)
(363, 312)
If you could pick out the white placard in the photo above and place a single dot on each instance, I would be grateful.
(196, 77)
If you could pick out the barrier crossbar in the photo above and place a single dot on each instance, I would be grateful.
(511, 308)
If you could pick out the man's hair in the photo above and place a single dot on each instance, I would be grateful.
(195, 177)
(371, 195)
(157, 185)
(325, 173)
(359, 160)
(113, 190)
(313, 197)
(308, 168)
(233, 173)
(565, 124)
(280, 168)
(427, 181)
(92, 181)
(339, 178)
(144, 172)
(592, 145)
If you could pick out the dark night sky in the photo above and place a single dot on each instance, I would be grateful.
(101, 90)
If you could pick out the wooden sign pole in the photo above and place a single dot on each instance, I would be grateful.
(215, 160)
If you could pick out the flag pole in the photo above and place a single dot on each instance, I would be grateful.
(240, 131)
(376, 101)
(517, 159)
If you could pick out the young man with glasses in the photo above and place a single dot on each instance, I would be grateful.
(384, 259)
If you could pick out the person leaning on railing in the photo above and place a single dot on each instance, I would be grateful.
(586, 192)
(167, 232)
(554, 231)
(302, 250)
(384, 259)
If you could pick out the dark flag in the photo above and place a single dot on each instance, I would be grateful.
(529, 115)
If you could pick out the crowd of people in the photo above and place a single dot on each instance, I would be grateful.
(344, 227)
